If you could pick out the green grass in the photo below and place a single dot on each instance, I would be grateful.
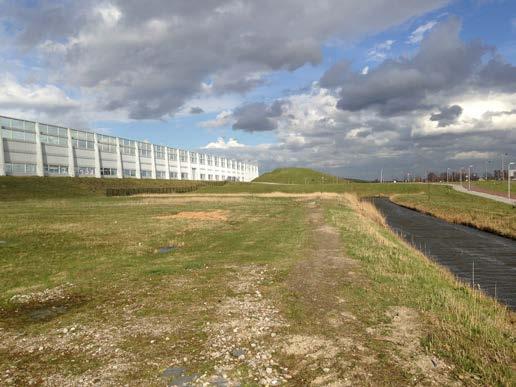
(496, 186)
(298, 176)
(107, 248)
(446, 203)
(463, 326)
(146, 310)
(20, 188)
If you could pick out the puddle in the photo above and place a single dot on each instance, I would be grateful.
(47, 313)
(166, 249)
(178, 376)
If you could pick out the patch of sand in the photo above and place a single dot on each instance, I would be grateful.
(218, 215)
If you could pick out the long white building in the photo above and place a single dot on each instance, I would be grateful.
(30, 148)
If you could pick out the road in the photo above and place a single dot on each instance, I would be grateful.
(498, 198)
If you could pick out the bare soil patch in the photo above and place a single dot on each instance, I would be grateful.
(217, 215)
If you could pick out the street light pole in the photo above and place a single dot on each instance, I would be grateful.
(447, 175)
(469, 177)
(460, 176)
(509, 180)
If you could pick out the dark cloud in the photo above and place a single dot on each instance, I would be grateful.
(336, 75)
(151, 57)
(447, 115)
(444, 63)
(258, 116)
(196, 110)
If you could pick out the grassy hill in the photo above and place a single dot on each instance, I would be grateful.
(298, 176)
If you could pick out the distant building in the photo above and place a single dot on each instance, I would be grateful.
(31, 148)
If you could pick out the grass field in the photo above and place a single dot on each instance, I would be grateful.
(256, 288)
(496, 186)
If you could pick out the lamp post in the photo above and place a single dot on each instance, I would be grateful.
(447, 174)
(487, 162)
(460, 176)
(509, 180)
(469, 177)
(503, 166)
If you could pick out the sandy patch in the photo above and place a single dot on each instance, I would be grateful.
(218, 215)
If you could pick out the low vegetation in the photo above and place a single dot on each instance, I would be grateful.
(495, 186)
(448, 204)
(257, 287)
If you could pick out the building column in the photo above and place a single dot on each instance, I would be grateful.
(40, 171)
(178, 158)
(97, 156)
(153, 162)
(119, 166)
(71, 158)
(167, 164)
(137, 160)
(189, 165)
(2, 153)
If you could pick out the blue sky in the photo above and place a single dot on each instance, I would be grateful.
(71, 63)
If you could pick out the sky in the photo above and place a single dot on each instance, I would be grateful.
(342, 86)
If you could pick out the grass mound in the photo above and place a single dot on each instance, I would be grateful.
(298, 176)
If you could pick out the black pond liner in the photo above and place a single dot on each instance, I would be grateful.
(479, 258)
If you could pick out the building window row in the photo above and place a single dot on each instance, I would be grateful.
(161, 175)
(19, 168)
(18, 135)
(106, 143)
(159, 152)
(11, 123)
(85, 171)
(146, 174)
(129, 172)
(56, 169)
(108, 171)
(144, 149)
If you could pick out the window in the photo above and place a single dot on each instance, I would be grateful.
(53, 135)
(144, 149)
(19, 125)
(223, 177)
(173, 175)
(159, 152)
(16, 169)
(193, 157)
(210, 160)
(216, 159)
(161, 174)
(182, 156)
(210, 177)
(202, 158)
(85, 171)
(82, 140)
(203, 176)
(106, 143)
(216, 177)
(18, 135)
(127, 147)
(108, 171)
(129, 172)
(223, 162)
(172, 154)
(52, 169)
(184, 175)
(145, 174)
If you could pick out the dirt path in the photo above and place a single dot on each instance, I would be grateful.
(330, 345)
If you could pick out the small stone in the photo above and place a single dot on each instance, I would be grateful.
(268, 370)
(326, 370)
(152, 341)
(167, 338)
(40, 348)
(273, 334)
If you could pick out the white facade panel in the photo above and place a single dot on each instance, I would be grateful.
(31, 148)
